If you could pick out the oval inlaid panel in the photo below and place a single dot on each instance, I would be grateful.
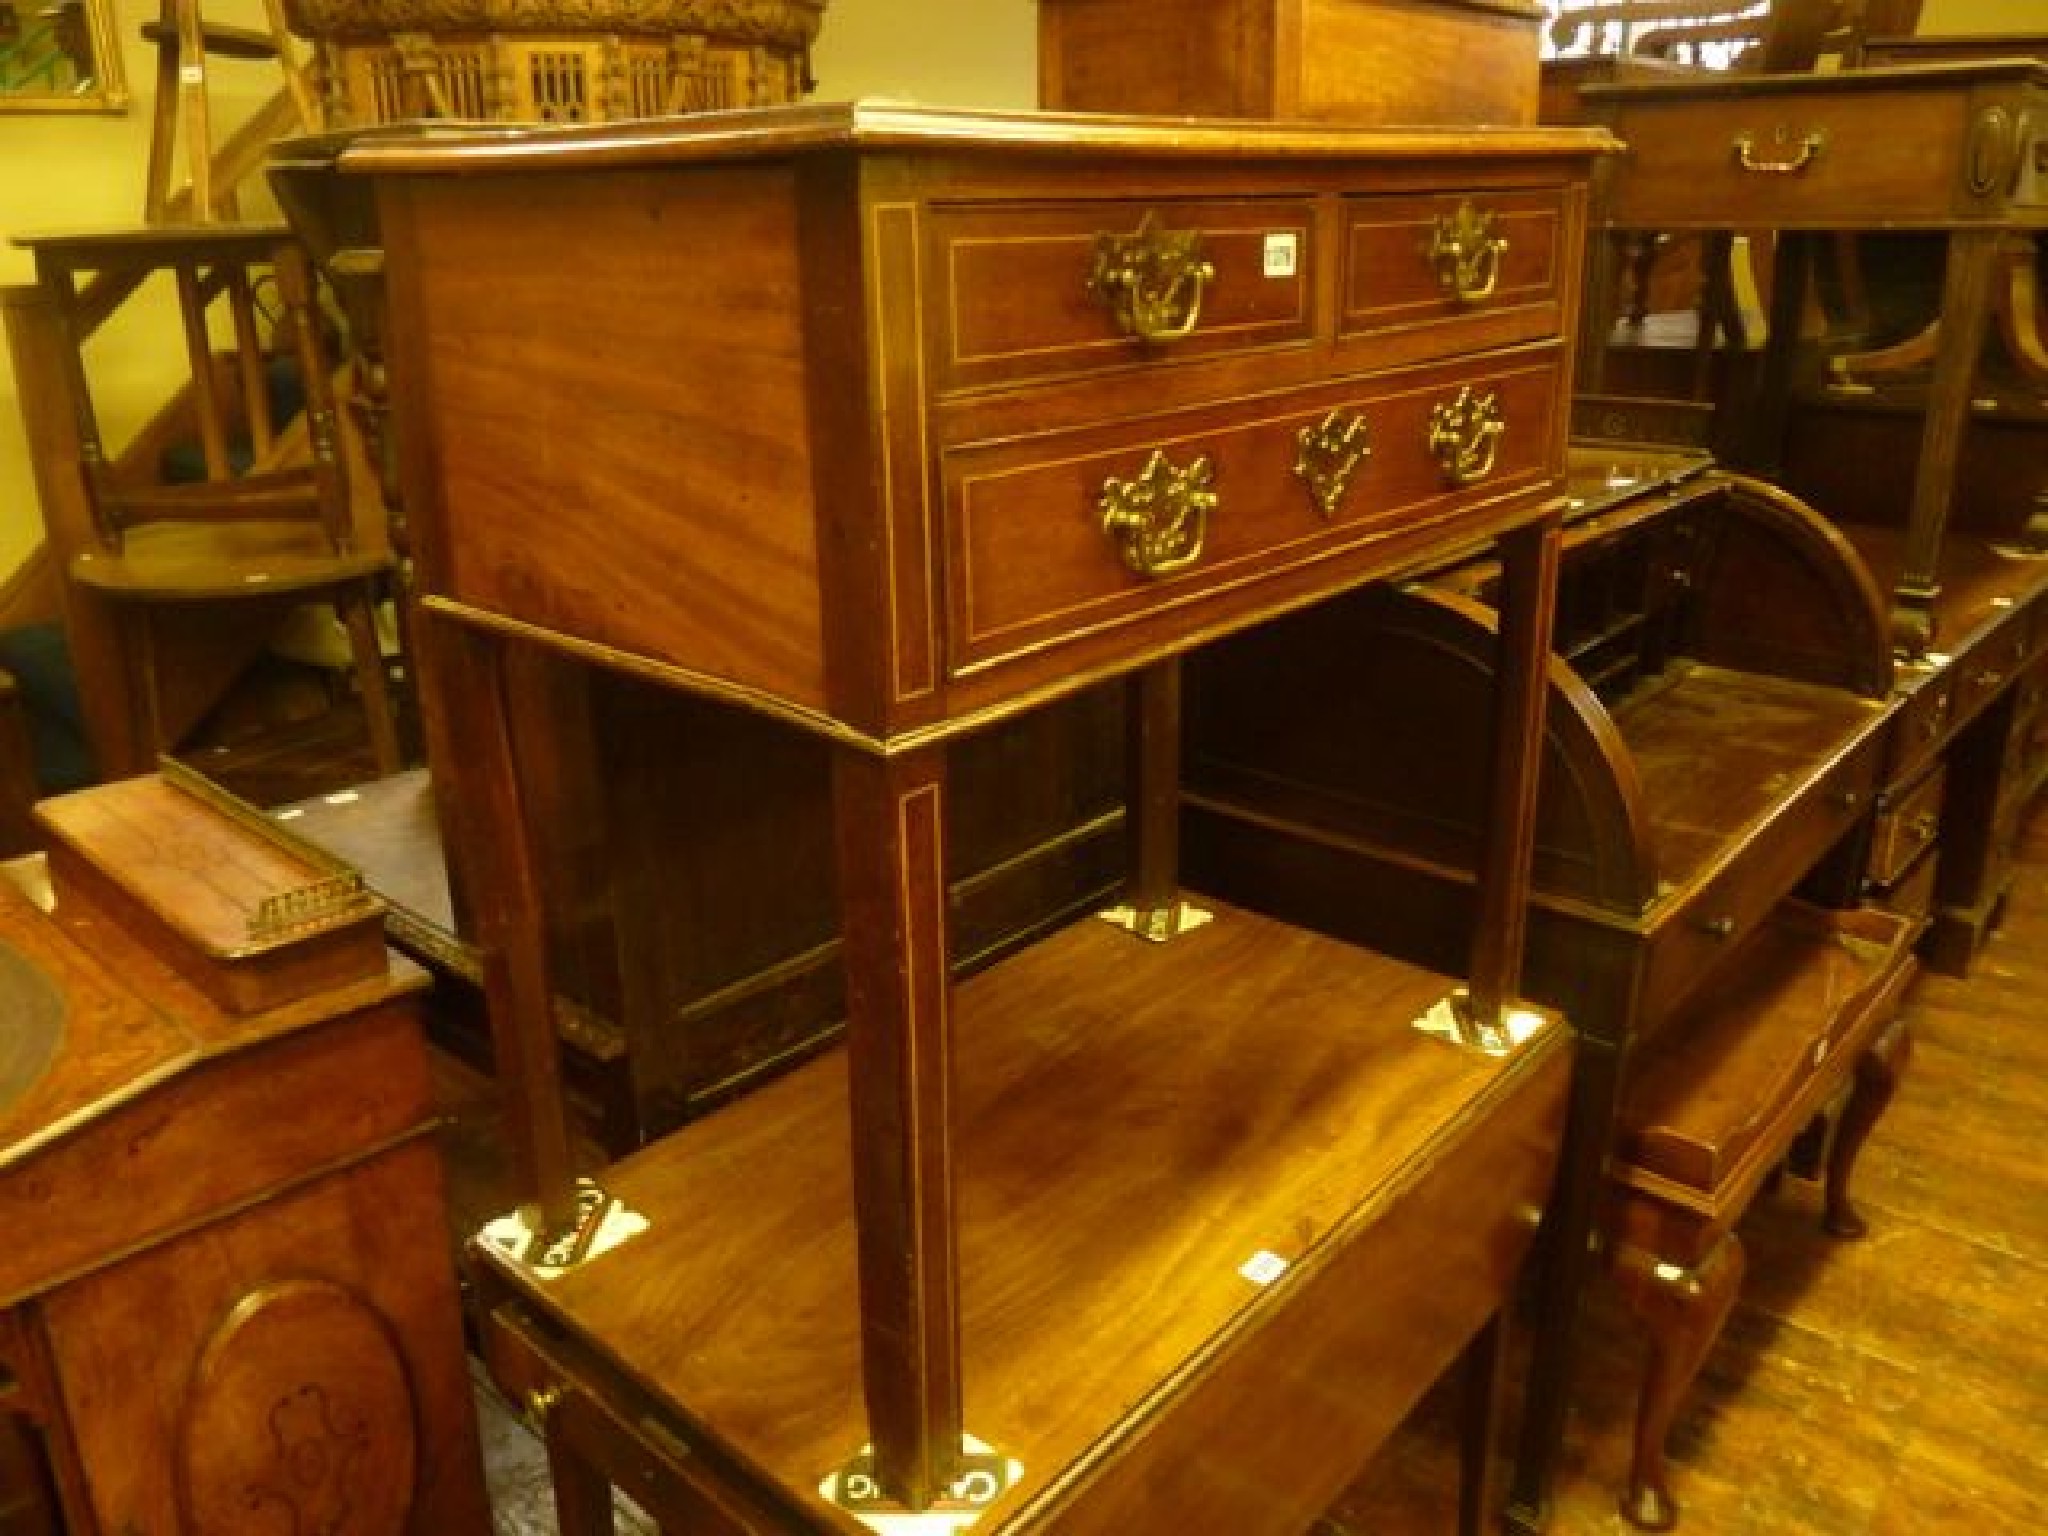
(31, 1024)
(300, 1420)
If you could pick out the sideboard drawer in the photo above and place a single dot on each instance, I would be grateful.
(1429, 275)
(1053, 537)
(1043, 290)
(1906, 824)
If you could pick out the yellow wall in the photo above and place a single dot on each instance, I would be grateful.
(69, 170)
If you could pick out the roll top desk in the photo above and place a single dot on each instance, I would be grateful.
(888, 426)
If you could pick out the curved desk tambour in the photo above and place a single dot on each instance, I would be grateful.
(889, 425)
(1716, 720)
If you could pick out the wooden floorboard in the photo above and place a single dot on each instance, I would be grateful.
(1894, 1386)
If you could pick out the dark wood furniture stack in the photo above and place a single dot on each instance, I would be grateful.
(1716, 724)
(1947, 149)
(229, 1307)
(885, 429)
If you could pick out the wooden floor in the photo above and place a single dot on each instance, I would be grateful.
(1889, 1387)
(1895, 1386)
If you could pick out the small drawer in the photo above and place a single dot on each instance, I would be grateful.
(1433, 275)
(1045, 290)
(1906, 826)
(1074, 533)
(1713, 919)
(1989, 667)
(1920, 724)
(1913, 895)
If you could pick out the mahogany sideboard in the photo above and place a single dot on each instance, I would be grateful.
(1947, 148)
(1717, 718)
(231, 1304)
(886, 428)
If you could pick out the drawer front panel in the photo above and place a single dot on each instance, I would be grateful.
(1031, 563)
(1018, 296)
(1699, 936)
(1989, 667)
(1905, 829)
(1430, 276)
(1794, 159)
(1919, 726)
(634, 1450)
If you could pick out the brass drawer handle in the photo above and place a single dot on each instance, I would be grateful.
(1152, 281)
(1809, 149)
(541, 1403)
(1466, 253)
(1988, 678)
(1158, 520)
(1328, 454)
(1464, 436)
(1718, 927)
(1922, 826)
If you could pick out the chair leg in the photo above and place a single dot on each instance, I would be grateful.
(1877, 1077)
(1683, 1312)
(1481, 1370)
(358, 613)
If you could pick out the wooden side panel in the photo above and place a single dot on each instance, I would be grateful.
(363, 1404)
(1212, 57)
(1414, 62)
(619, 442)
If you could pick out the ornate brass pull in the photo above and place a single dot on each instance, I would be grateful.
(1158, 521)
(1152, 281)
(1809, 147)
(1466, 253)
(1464, 436)
(541, 1403)
(1326, 456)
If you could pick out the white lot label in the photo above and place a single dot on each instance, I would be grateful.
(1282, 253)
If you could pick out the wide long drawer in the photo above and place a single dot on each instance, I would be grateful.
(1070, 533)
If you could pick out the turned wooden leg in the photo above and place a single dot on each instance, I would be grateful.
(1481, 1372)
(1877, 1077)
(1682, 1311)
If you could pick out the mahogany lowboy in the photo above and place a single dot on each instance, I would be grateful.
(892, 427)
